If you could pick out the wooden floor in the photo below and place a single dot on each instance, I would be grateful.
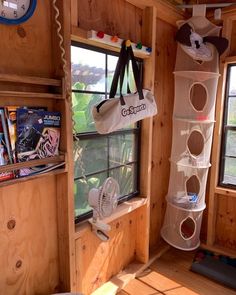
(170, 275)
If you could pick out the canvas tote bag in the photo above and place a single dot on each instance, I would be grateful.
(119, 112)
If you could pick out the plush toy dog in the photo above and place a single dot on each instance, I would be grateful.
(197, 46)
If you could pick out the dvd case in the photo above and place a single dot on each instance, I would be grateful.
(38, 135)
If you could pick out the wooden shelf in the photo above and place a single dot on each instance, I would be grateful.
(32, 95)
(46, 87)
(30, 80)
(57, 171)
(33, 163)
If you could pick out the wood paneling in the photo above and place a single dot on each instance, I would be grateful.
(162, 128)
(170, 275)
(28, 235)
(113, 17)
(226, 222)
(97, 261)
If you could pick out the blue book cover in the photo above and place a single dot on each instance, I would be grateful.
(38, 134)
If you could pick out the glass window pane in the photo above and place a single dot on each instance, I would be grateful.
(93, 155)
(112, 61)
(232, 81)
(111, 66)
(122, 149)
(126, 177)
(231, 143)
(82, 109)
(81, 191)
(230, 171)
(87, 69)
(231, 120)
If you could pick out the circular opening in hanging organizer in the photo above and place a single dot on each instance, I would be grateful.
(181, 227)
(195, 143)
(187, 228)
(191, 142)
(187, 186)
(195, 95)
(198, 97)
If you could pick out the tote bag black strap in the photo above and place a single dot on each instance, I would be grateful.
(119, 71)
(135, 71)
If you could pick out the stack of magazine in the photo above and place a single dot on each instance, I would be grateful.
(26, 134)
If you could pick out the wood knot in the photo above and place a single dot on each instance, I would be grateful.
(11, 224)
(21, 32)
(117, 225)
(18, 264)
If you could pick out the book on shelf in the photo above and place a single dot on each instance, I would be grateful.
(6, 156)
(10, 113)
(38, 136)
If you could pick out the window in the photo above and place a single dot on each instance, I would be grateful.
(228, 147)
(101, 156)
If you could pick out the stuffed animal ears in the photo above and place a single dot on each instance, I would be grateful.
(183, 35)
(220, 43)
(185, 31)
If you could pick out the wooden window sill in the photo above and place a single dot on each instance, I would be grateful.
(225, 191)
(121, 210)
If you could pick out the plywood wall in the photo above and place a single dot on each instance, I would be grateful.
(28, 235)
(26, 49)
(97, 261)
(28, 210)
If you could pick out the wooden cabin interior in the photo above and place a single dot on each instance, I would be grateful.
(50, 63)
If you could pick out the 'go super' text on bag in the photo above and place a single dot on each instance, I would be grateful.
(133, 110)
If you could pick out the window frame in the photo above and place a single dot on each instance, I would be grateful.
(225, 129)
(94, 134)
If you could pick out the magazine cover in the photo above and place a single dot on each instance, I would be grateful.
(38, 134)
(10, 113)
(5, 149)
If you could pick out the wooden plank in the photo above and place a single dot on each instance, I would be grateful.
(30, 80)
(166, 11)
(173, 268)
(32, 163)
(74, 12)
(112, 17)
(225, 191)
(225, 229)
(65, 183)
(29, 248)
(215, 156)
(27, 178)
(26, 49)
(230, 59)
(98, 261)
(32, 95)
(137, 287)
(123, 209)
(162, 125)
(132, 271)
(220, 250)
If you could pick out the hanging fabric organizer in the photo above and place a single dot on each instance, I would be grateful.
(196, 81)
